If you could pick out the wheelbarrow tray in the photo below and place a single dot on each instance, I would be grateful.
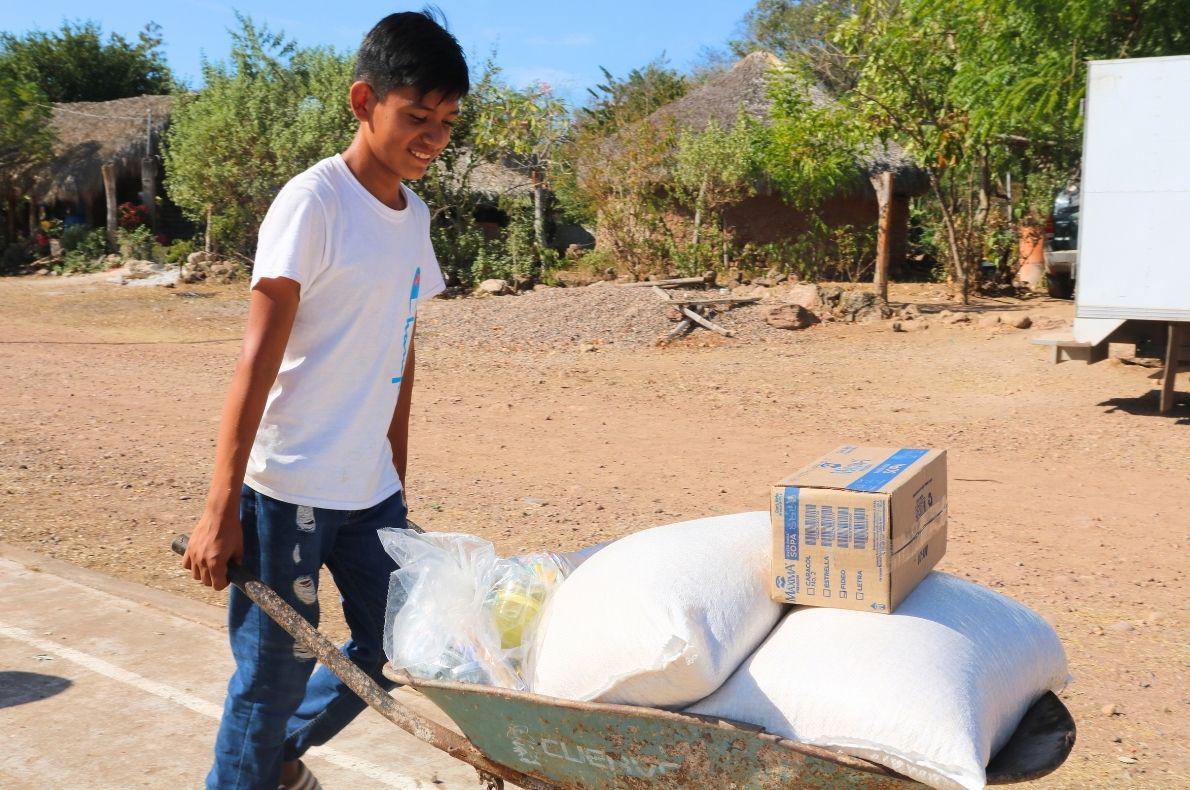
(585, 745)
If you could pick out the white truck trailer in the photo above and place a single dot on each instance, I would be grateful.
(1133, 281)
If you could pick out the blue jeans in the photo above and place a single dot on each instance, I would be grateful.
(278, 705)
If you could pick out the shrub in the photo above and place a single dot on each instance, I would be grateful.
(136, 243)
(177, 253)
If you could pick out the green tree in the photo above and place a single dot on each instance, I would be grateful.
(75, 63)
(269, 112)
(799, 32)
(614, 104)
(712, 169)
(526, 128)
(25, 134)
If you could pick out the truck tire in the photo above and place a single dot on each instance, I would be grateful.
(1059, 286)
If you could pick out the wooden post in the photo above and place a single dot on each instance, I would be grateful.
(1173, 354)
(884, 199)
(109, 192)
(148, 186)
(206, 235)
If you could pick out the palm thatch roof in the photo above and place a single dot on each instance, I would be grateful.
(91, 134)
(745, 86)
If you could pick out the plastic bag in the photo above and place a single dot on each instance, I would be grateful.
(458, 612)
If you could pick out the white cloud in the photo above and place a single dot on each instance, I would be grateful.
(559, 80)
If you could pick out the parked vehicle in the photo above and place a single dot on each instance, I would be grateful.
(1061, 243)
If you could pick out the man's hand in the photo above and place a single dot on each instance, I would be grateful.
(217, 540)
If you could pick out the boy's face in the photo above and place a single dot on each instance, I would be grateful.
(405, 130)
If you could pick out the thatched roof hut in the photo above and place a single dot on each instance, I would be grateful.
(746, 86)
(92, 134)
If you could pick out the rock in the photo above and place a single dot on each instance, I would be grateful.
(609, 274)
(910, 311)
(958, 318)
(1110, 710)
(807, 295)
(759, 291)
(831, 295)
(990, 321)
(587, 348)
(673, 314)
(860, 306)
(767, 282)
(542, 287)
(790, 316)
(735, 276)
(42, 273)
(897, 326)
(534, 501)
(495, 287)
(1122, 627)
(196, 258)
(779, 277)
(1127, 760)
(1019, 321)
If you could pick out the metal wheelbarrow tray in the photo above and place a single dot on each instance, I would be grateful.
(545, 743)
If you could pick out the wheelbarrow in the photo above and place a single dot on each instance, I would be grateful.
(545, 743)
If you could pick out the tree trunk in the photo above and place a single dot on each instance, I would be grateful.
(109, 192)
(206, 240)
(10, 217)
(702, 191)
(34, 227)
(538, 210)
(985, 191)
(952, 238)
(884, 198)
(148, 186)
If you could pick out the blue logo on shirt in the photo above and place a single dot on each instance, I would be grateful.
(409, 322)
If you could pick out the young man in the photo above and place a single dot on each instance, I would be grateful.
(312, 444)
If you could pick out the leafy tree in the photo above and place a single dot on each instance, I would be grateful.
(527, 128)
(25, 135)
(271, 111)
(799, 32)
(74, 63)
(614, 104)
(712, 169)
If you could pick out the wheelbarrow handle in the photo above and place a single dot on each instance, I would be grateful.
(358, 681)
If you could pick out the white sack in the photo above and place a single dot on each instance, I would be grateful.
(659, 618)
(931, 691)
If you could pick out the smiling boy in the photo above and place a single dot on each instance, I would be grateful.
(313, 440)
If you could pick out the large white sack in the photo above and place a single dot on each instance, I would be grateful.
(931, 691)
(661, 617)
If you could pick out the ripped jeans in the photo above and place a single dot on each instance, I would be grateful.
(278, 705)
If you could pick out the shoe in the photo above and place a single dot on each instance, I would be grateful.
(305, 780)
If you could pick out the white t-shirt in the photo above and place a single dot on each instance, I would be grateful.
(362, 267)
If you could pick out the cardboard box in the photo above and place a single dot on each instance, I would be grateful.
(859, 528)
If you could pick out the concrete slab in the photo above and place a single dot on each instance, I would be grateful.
(108, 684)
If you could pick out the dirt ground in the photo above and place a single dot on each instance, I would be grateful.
(1067, 490)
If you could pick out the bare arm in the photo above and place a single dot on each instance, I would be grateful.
(218, 537)
(398, 429)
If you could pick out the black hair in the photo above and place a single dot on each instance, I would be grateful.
(411, 49)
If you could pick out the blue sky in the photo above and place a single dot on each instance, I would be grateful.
(562, 42)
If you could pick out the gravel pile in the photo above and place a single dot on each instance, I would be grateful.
(599, 314)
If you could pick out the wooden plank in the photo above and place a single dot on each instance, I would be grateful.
(1173, 348)
(684, 326)
(675, 283)
(728, 300)
(703, 322)
(662, 293)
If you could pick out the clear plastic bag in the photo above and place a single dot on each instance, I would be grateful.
(458, 612)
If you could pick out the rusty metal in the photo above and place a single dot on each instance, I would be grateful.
(358, 681)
